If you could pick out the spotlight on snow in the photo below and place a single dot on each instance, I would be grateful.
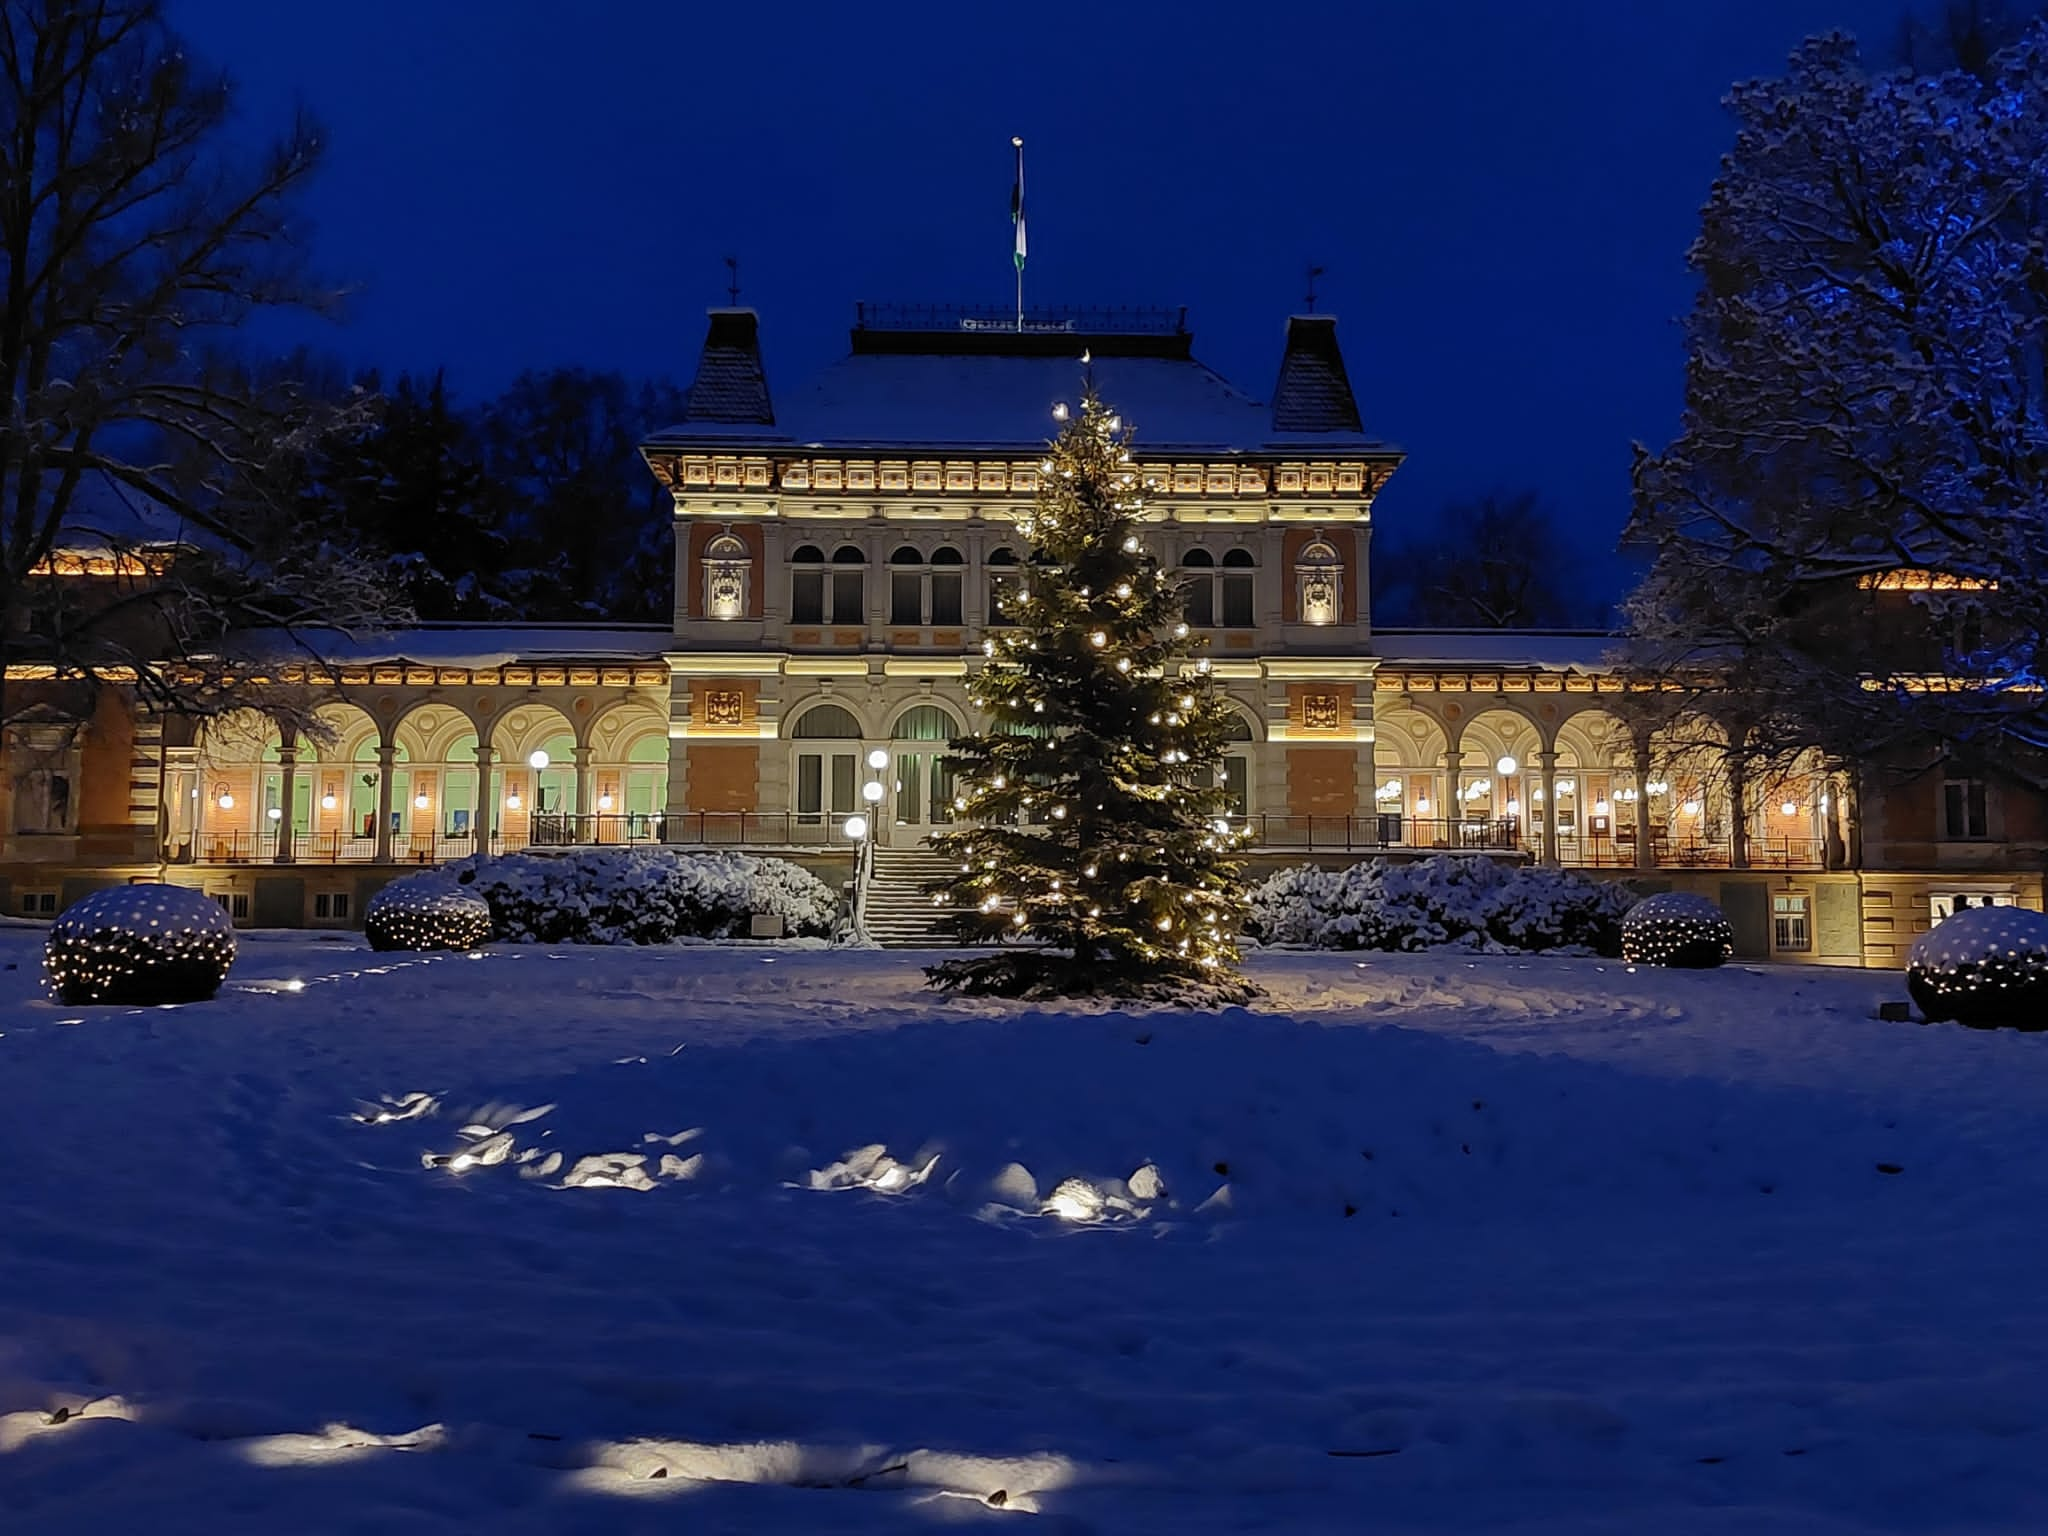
(1075, 1200)
(1676, 929)
(1983, 966)
(143, 945)
(426, 911)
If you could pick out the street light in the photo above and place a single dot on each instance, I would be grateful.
(878, 759)
(1506, 767)
(871, 791)
(856, 828)
(538, 759)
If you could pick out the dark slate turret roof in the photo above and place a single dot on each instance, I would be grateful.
(1313, 393)
(731, 387)
(961, 381)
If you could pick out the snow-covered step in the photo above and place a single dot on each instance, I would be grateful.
(899, 912)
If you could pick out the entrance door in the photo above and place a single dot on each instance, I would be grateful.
(921, 799)
(827, 789)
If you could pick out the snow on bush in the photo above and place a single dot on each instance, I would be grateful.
(1448, 899)
(143, 945)
(1983, 965)
(1677, 929)
(426, 911)
(642, 895)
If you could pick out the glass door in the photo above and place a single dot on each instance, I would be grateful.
(827, 787)
(922, 796)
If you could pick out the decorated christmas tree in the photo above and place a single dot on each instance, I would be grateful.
(1095, 841)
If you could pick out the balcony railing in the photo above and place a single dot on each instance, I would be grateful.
(1802, 853)
(769, 830)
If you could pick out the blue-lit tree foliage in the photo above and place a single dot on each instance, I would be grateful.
(1851, 527)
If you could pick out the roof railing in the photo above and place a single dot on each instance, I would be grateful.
(1079, 320)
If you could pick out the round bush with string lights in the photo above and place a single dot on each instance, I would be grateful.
(1986, 966)
(426, 912)
(1676, 929)
(142, 945)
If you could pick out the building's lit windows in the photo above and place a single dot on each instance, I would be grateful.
(1965, 812)
(1792, 923)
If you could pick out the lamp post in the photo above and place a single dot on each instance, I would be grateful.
(856, 830)
(861, 829)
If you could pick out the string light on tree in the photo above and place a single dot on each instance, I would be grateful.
(1676, 929)
(1090, 811)
(428, 911)
(139, 945)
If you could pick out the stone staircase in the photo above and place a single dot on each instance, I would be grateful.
(899, 914)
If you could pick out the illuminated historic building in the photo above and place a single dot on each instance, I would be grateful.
(841, 553)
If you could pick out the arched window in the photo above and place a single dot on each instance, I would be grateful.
(949, 572)
(726, 567)
(925, 722)
(906, 586)
(1198, 589)
(1002, 581)
(1237, 584)
(924, 773)
(807, 585)
(925, 591)
(847, 601)
(826, 721)
(646, 784)
(1318, 584)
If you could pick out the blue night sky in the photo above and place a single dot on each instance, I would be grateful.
(1502, 192)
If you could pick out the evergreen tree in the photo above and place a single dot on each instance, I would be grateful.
(1098, 834)
(412, 487)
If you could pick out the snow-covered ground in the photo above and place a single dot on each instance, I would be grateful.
(623, 1240)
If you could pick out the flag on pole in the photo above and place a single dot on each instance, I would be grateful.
(1017, 205)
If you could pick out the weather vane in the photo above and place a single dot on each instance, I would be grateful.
(1313, 273)
(732, 265)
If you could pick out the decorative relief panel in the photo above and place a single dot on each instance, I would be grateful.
(1319, 711)
(724, 706)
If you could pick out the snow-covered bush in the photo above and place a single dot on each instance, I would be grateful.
(642, 895)
(1983, 965)
(426, 911)
(1559, 909)
(1389, 904)
(1677, 929)
(142, 945)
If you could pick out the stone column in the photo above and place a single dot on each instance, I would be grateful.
(482, 819)
(1852, 817)
(203, 792)
(288, 766)
(1454, 792)
(387, 758)
(1646, 855)
(1546, 772)
(586, 792)
(1738, 812)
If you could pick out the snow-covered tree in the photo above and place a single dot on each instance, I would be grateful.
(134, 241)
(1096, 832)
(1498, 561)
(1850, 531)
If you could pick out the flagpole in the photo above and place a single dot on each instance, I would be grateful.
(1017, 219)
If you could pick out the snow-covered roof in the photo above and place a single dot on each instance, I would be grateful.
(979, 387)
(106, 517)
(1543, 650)
(479, 645)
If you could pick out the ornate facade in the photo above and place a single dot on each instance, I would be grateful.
(841, 556)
